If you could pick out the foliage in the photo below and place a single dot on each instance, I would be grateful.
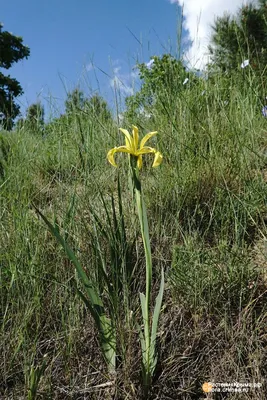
(34, 378)
(35, 117)
(77, 103)
(92, 300)
(5, 150)
(239, 37)
(206, 212)
(34, 120)
(163, 80)
(98, 107)
(11, 51)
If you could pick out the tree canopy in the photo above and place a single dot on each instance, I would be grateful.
(12, 50)
(95, 106)
(239, 37)
(163, 79)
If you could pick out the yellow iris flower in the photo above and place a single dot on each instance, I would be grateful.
(131, 147)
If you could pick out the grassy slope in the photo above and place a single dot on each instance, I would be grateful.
(207, 211)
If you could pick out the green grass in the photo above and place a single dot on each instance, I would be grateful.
(207, 214)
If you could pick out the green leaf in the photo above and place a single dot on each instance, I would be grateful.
(144, 308)
(155, 321)
(93, 296)
(95, 304)
(146, 344)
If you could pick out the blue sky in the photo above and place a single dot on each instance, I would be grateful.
(72, 42)
(96, 43)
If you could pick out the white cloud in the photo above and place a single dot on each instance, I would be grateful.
(199, 16)
(123, 82)
(89, 67)
(150, 63)
(117, 84)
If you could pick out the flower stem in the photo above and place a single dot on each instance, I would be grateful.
(141, 210)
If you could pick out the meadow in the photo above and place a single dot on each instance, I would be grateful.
(207, 211)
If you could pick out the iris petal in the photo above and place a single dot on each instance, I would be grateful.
(135, 138)
(110, 157)
(145, 138)
(157, 160)
(146, 150)
(120, 149)
(128, 138)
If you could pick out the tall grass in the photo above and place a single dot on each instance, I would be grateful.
(207, 210)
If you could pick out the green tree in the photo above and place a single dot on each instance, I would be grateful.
(97, 107)
(75, 101)
(163, 79)
(11, 51)
(239, 37)
(20, 123)
(35, 117)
